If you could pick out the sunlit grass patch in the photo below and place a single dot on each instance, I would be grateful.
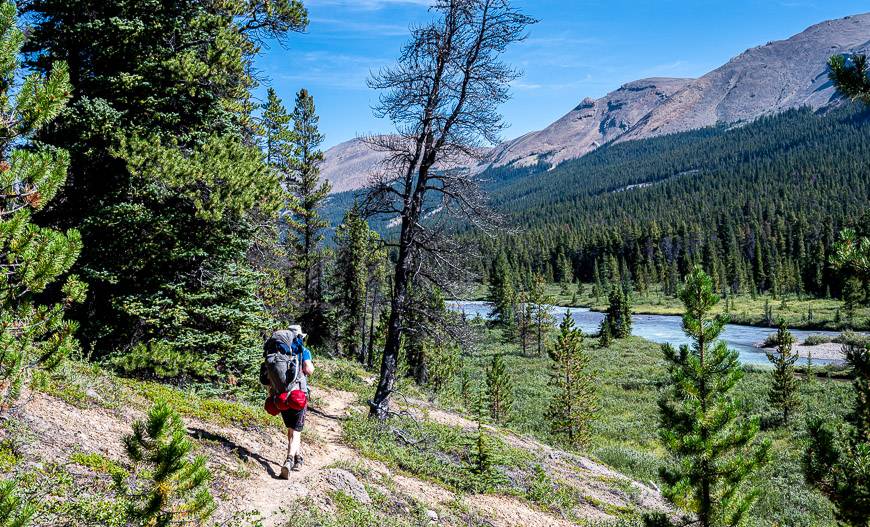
(98, 463)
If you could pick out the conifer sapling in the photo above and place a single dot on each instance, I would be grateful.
(712, 444)
(167, 486)
(499, 390)
(574, 405)
(784, 386)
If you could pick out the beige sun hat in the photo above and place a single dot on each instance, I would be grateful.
(297, 330)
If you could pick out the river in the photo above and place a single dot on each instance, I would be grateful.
(662, 329)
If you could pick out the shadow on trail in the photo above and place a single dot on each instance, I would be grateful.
(243, 453)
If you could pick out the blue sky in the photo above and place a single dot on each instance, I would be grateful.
(579, 48)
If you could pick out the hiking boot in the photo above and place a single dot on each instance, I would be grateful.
(297, 463)
(286, 467)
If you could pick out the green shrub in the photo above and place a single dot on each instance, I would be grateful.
(162, 360)
(552, 496)
(815, 340)
(8, 457)
(98, 463)
(429, 450)
(635, 463)
(850, 338)
(769, 341)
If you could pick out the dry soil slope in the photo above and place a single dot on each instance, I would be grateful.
(245, 461)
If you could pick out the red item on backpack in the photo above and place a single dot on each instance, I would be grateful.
(282, 401)
(270, 406)
(297, 400)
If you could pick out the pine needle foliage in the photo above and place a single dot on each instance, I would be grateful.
(308, 195)
(167, 486)
(283, 285)
(784, 385)
(618, 316)
(712, 446)
(165, 177)
(14, 512)
(499, 390)
(850, 76)
(575, 402)
(837, 460)
(33, 332)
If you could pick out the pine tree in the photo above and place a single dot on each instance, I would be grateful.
(309, 194)
(524, 321)
(618, 316)
(784, 386)
(711, 444)
(183, 226)
(837, 461)
(502, 294)
(598, 285)
(167, 486)
(574, 405)
(33, 332)
(358, 251)
(282, 287)
(499, 390)
(542, 319)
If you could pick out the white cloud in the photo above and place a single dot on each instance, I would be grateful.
(359, 28)
(337, 70)
(369, 5)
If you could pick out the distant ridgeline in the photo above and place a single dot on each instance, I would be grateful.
(758, 205)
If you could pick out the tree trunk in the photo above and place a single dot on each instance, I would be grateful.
(361, 355)
(370, 350)
(379, 405)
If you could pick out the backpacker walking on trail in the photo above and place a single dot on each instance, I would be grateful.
(285, 369)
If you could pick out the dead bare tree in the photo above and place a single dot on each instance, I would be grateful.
(442, 96)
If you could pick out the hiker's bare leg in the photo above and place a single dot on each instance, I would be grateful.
(294, 440)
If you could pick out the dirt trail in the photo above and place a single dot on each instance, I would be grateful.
(246, 463)
(266, 493)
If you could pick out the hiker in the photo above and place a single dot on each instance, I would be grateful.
(285, 369)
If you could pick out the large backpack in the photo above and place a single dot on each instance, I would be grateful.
(282, 370)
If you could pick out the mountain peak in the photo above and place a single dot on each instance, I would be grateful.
(762, 80)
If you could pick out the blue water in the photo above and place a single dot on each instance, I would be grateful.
(662, 329)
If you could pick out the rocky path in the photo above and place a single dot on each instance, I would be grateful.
(246, 461)
(272, 496)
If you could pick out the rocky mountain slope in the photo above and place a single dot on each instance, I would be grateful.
(761, 81)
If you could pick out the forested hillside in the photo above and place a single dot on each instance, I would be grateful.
(759, 206)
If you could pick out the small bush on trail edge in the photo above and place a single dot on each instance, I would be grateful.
(166, 485)
(429, 450)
